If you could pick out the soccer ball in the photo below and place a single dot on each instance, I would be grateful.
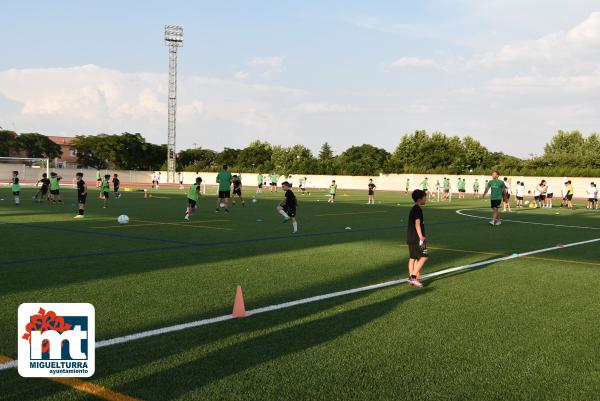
(253, 200)
(222, 204)
(526, 203)
(123, 219)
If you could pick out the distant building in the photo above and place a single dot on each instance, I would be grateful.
(69, 155)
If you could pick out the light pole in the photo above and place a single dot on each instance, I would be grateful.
(173, 39)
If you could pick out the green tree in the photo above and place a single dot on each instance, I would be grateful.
(37, 145)
(228, 156)
(326, 161)
(255, 157)
(362, 160)
(196, 159)
(8, 143)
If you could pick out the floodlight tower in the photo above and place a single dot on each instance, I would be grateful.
(173, 39)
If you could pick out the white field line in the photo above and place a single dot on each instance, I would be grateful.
(204, 322)
(462, 213)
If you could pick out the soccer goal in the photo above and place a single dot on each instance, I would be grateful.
(30, 168)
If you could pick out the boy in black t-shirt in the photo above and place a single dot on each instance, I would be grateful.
(236, 181)
(42, 193)
(287, 207)
(116, 183)
(81, 195)
(415, 239)
(372, 187)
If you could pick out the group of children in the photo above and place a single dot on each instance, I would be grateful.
(49, 189)
(226, 181)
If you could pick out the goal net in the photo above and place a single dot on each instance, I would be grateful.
(30, 169)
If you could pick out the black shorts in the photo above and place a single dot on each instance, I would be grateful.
(273, 184)
(542, 197)
(238, 192)
(16, 193)
(519, 198)
(105, 194)
(589, 199)
(462, 190)
(505, 197)
(290, 211)
(224, 194)
(495, 203)
(475, 190)
(537, 197)
(44, 190)
(81, 198)
(371, 193)
(99, 179)
(55, 191)
(192, 203)
(260, 185)
(117, 189)
(415, 251)
(570, 197)
(446, 190)
(550, 196)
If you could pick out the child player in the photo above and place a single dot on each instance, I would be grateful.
(224, 181)
(16, 188)
(260, 184)
(105, 189)
(476, 188)
(371, 192)
(55, 187)
(287, 207)
(415, 239)
(192, 198)
(236, 181)
(43, 191)
(332, 191)
(116, 183)
(592, 192)
(81, 195)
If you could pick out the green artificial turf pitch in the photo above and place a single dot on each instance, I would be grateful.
(522, 329)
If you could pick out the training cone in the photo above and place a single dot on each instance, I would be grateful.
(239, 309)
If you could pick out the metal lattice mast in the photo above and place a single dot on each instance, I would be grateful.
(173, 39)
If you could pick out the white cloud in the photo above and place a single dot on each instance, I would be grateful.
(575, 48)
(417, 63)
(241, 75)
(91, 99)
(271, 61)
(322, 107)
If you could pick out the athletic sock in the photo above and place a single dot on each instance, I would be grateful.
(295, 225)
(17, 200)
(284, 214)
(81, 212)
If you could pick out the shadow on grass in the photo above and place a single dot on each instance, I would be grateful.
(254, 352)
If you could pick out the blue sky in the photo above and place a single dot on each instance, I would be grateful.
(509, 73)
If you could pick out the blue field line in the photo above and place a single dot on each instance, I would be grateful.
(187, 244)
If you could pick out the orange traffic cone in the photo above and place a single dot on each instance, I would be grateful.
(239, 309)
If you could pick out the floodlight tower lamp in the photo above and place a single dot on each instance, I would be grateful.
(173, 39)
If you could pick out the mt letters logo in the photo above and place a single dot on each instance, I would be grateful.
(56, 340)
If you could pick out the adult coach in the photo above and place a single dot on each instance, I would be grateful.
(496, 188)
(224, 181)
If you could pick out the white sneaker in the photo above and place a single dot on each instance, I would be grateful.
(492, 223)
(498, 222)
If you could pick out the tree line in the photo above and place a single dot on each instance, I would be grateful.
(569, 153)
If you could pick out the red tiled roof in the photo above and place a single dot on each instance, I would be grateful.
(62, 140)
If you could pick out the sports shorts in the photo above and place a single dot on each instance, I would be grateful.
(415, 251)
